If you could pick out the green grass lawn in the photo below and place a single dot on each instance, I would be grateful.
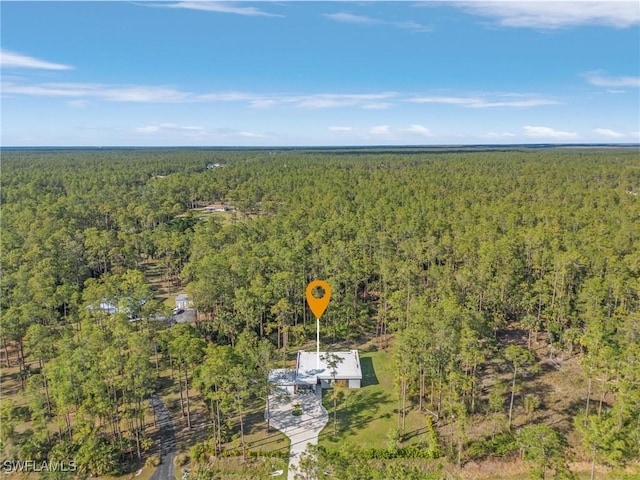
(256, 437)
(365, 416)
(225, 218)
(234, 468)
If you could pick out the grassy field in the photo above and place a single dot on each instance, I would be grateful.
(234, 468)
(365, 416)
(163, 290)
(225, 218)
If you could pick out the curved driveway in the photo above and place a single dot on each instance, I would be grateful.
(301, 430)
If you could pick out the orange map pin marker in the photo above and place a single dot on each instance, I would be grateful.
(318, 305)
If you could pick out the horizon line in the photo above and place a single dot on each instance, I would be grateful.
(264, 147)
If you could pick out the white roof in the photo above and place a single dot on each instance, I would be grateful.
(282, 377)
(108, 307)
(309, 370)
(182, 296)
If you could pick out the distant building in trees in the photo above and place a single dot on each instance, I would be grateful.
(217, 207)
(108, 307)
(183, 301)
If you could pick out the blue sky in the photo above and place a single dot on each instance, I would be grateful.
(319, 73)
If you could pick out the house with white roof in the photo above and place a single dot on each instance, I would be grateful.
(313, 369)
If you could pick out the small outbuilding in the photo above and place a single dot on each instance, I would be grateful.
(183, 301)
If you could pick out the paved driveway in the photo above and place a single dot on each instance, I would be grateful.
(166, 439)
(303, 429)
(187, 316)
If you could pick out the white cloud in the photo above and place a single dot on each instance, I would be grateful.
(77, 103)
(418, 130)
(377, 106)
(363, 20)
(114, 93)
(314, 101)
(499, 135)
(159, 94)
(599, 78)
(148, 129)
(15, 60)
(547, 132)
(166, 94)
(349, 18)
(414, 26)
(144, 94)
(389, 133)
(194, 132)
(478, 102)
(333, 100)
(446, 100)
(251, 135)
(551, 15)
(608, 133)
(219, 7)
(321, 101)
(227, 96)
(169, 127)
(515, 103)
(380, 130)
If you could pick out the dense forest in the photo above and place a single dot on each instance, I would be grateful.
(438, 256)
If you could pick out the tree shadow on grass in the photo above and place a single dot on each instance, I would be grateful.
(579, 406)
(166, 384)
(10, 383)
(356, 412)
(255, 421)
(368, 372)
(414, 433)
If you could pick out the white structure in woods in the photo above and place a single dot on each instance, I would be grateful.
(347, 370)
(183, 302)
(121, 305)
(108, 307)
(307, 375)
(216, 207)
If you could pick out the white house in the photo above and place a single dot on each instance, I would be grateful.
(125, 305)
(183, 302)
(216, 207)
(108, 307)
(311, 371)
